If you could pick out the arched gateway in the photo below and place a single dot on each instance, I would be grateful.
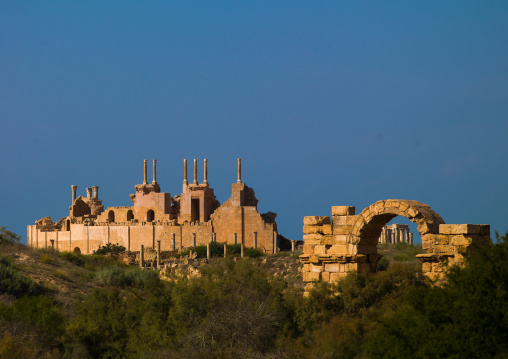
(346, 242)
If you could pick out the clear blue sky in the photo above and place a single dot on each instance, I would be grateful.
(328, 103)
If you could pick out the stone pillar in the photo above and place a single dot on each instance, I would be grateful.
(235, 238)
(225, 250)
(89, 192)
(292, 246)
(242, 250)
(95, 192)
(208, 254)
(214, 237)
(173, 242)
(194, 239)
(74, 188)
(410, 238)
(52, 244)
(144, 173)
(142, 256)
(255, 239)
(205, 172)
(239, 171)
(158, 254)
(274, 242)
(154, 172)
(195, 171)
(185, 172)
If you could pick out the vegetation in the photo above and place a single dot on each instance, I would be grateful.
(217, 250)
(112, 248)
(238, 309)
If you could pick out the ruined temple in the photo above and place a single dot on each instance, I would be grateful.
(193, 218)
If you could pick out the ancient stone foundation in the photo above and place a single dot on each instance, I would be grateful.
(346, 242)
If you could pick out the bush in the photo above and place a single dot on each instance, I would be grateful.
(8, 237)
(119, 277)
(110, 248)
(13, 282)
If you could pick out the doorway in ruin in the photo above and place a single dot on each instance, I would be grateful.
(195, 210)
(68, 225)
(77, 250)
(111, 216)
(150, 216)
(130, 215)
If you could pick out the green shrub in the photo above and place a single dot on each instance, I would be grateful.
(120, 277)
(13, 282)
(8, 237)
(46, 259)
(110, 248)
(75, 258)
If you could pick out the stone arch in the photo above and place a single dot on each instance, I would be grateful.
(150, 215)
(130, 215)
(77, 250)
(368, 224)
(111, 216)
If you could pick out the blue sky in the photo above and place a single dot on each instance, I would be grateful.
(327, 103)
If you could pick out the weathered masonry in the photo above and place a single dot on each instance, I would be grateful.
(346, 242)
(195, 217)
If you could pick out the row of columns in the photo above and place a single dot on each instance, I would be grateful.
(91, 192)
(154, 175)
(397, 235)
(205, 172)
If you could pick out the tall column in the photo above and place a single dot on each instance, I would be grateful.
(214, 237)
(142, 256)
(208, 255)
(95, 191)
(194, 239)
(255, 239)
(239, 171)
(274, 242)
(195, 171)
(292, 246)
(74, 188)
(235, 238)
(144, 172)
(242, 250)
(185, 172)
(158, 254)
(225, 250)
(205, 173)
(173, 242)
(89, 192)
(154, 172)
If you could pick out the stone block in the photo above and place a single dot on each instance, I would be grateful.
(327, 229)
(312, 229)
(315, 268)
(342, 229)
(332, 267)
(443, 249)
(328, 240)
(335, 277)
(308, 248)
(306, 267)
(344, 220)
(480, 229)
(437, 267)
(343, 210)
(311, 276)
(340, 238)
(314, 238)
(316, 220)
(437, 238)
(325, 276)
(314, 259)
(337, 249)
(320, 249)
(426, 267)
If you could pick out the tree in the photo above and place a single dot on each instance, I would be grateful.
(8, 237)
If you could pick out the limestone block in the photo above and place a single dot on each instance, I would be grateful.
(461, 240)
(344, 220)
(327, 229)
(343, 210)
(332, 267)
(320, 249)
(443, 249)
(313, 238)
(342, 229)
(437, 238)
(308, 248)
(340, 238)
(426, 267)
(480, 229)
(312, 229)
(325, 276)
(437, 267)
(328, 240)
(316, 220)
(335, 277)
(306, 267)
(311, 276)
(337, 249)
(314, 258)
(316, 267)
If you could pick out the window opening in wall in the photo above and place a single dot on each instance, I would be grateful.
(194, 209)
(68, 225)
(130, 215)
(111, 216)
(150, 216)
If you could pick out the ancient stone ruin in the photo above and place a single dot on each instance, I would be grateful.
(187, 220)
(346, 242)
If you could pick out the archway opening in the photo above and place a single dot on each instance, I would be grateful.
(150, 216)
(195, 209)
(130, 215)
(77, 250)
(111, 216)
(68, 225)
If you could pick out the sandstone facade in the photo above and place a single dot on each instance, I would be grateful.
(345, 242)
(193, 218)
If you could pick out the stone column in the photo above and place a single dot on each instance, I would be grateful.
(292, 246)
(235, 238)
(194, 239)
(52, 244)
(225, 250)
(255, 239)
(242, 250)
(74, 188)
(185, 172)
(95, 192)
(89, 192)
(144, 173)
(214, 237)
(205, 172)
(173, 242)
(142, 256)
(154, 172)
(274, 242)
(239, 171)
(195, 171)
(158, 254)
(208, 255)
